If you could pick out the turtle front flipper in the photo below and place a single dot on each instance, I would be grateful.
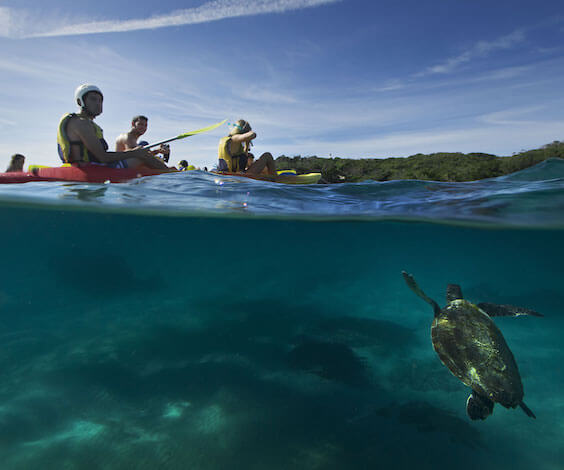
(496, 310)
(410, 281)
(478, 406)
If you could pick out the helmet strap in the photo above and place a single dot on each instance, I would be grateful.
(84, 110)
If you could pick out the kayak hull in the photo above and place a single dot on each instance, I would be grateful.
(285, 178)
(103, 174)
(84, 174)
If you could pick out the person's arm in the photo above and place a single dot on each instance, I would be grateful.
(247, 137)
(85, 132)
(164, 150)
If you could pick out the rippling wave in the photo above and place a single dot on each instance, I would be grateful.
(533, 198)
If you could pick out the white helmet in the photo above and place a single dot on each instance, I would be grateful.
(82, 90)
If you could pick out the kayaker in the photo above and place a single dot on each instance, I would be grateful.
(80, 140)
(128, 140)
(251, 160)
(16, 163)
(233, 152)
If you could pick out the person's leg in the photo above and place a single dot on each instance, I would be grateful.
(133, 162)
(153, 163)
(265, 160)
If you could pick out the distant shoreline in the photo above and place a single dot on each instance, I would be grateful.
(437, 166)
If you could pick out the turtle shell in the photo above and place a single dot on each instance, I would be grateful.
(472, 347)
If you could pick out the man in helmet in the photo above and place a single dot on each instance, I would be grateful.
(80, 140)
(128, 140)
(233, 152)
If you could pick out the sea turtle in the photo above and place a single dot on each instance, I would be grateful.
(472, 347)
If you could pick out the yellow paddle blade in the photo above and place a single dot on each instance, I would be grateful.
(199, 131)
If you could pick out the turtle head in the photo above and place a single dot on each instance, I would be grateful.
(453, 292)
(478, 406)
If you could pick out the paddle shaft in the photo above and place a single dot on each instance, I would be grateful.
(187, 134)
(165, 141)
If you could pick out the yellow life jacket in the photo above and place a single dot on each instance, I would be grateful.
(64, 144)
(232, 155)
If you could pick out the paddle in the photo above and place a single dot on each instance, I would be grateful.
(187, 134)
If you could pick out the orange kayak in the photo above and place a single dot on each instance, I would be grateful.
(85, 174)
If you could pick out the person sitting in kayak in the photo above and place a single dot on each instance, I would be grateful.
(16, 163)
(184, 166)
(251, 160)
(80, 140)
(234, 150)
(128, 140)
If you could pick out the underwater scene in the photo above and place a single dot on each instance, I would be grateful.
(204, 322)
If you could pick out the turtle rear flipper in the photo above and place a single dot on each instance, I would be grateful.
(527, 411)
(496, 310)
(478, 406)
(410, 281)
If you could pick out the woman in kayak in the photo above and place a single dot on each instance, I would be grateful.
(233, 152)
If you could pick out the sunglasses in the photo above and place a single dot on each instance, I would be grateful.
(242, 128)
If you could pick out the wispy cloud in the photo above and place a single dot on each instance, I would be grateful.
(514, 116)
(391, 85)
(11, 21)
(479, 50)
(19, 24)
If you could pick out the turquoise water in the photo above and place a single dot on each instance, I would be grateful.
(192, 321)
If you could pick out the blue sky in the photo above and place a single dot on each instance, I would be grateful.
(348, 78)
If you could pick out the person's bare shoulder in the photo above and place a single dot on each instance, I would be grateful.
(121, 139)
(122, 142)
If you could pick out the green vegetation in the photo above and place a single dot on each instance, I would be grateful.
(436, 167)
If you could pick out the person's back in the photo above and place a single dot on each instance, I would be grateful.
(16, 163)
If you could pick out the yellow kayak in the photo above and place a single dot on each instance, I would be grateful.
(284, 176)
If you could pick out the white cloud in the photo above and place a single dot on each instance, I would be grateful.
(479, 50)
(391, 85)
(6, 123)
(18, 24)
(513, 116)
(10, 22)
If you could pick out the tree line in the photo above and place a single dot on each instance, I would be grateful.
(436, 166)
